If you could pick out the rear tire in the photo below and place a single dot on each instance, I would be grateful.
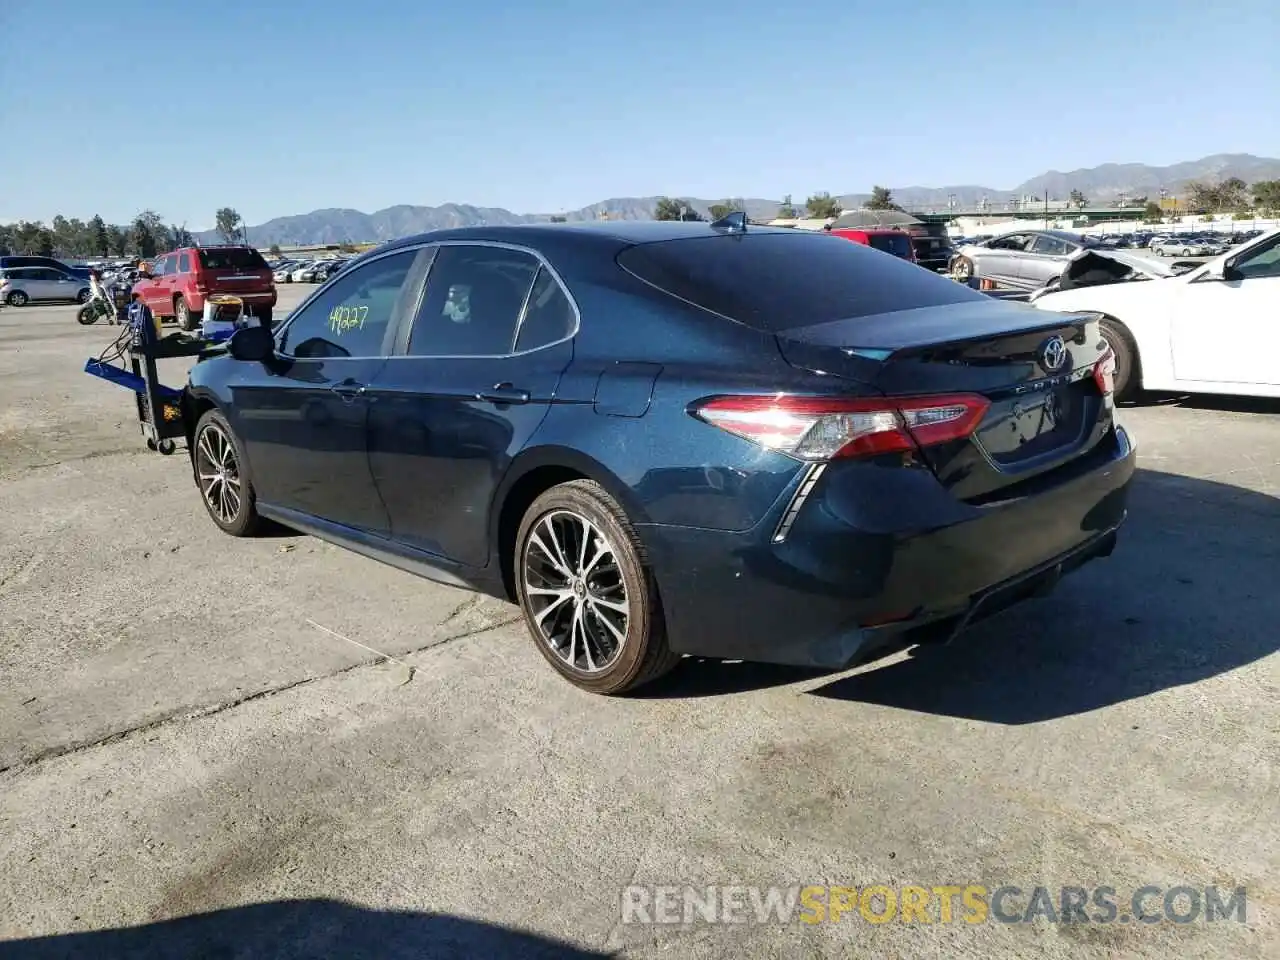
(587, 592)
(1128, 375)
(222, 476)
(186, 319)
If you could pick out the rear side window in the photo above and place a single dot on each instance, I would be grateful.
(184, 263)
(474, 300)
(548, 316)
(231, 258)
(899, 245)
(776, 281)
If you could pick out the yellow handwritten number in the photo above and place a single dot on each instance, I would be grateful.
(344, 318)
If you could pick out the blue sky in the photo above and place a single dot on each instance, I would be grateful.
(285, 107)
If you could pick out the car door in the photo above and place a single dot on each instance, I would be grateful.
(302, 417)
(1000, 262)
(41, 283)
(152, 288)
(1044, 260)
(473, 379)
(1227, 330)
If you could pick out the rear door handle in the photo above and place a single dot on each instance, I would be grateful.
(348, 390)
(505, 393)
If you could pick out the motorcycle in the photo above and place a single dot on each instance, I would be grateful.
(108, 300)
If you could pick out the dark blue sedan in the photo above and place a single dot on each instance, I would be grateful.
(675, 438)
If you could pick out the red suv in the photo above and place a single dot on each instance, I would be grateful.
(178, 282)
(896, 242)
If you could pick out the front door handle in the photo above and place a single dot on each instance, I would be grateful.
(505, 393)
(348, 390)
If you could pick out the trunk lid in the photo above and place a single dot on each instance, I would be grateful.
(1042, 414)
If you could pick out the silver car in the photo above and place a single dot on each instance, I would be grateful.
(1183, 247)
(22, 285)
(1025, 260)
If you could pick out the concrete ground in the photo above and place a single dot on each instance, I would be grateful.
(200, 754)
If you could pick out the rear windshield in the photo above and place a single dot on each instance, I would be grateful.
(232, 258)
(776, 281)
(899, 244)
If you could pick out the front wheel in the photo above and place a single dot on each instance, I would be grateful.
(222, 475)
(962, 269)
(18, 299)
(87, 315)
(1127, 378)
(588, 596)
(83, 296)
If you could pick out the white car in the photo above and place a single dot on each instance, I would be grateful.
(299, 273)
(1212, 329)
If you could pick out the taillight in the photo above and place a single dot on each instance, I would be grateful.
(1104, 373)
(826, 428)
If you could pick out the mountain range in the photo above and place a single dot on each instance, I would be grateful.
(1099, 184)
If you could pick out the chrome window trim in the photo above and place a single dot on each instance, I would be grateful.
(502, 244)
(422, 291)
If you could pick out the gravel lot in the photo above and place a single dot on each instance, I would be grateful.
(186, 726)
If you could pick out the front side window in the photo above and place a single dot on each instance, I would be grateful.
(351, 317)
(1262, 262)
(1017, 241)
(473, 302)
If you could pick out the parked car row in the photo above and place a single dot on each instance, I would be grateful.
(307, 271)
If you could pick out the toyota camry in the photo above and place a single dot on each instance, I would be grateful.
(663, 439)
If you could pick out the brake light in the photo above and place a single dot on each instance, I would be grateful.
(1104, 373)
(827, 428)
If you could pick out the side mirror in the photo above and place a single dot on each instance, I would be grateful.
(1231, 272)
(252, 344)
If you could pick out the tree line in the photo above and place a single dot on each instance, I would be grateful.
(146, 237)
(1232, 195)
(819, 206)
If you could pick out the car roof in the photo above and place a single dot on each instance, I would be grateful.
(625, 231)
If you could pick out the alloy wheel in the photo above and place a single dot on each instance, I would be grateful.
(218, 473)
(575, 591)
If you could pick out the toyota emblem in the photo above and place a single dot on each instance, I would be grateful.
(1053, 354)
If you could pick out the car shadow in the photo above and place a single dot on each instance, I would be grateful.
(289, 929)
(1206, 401)
(1188, 595)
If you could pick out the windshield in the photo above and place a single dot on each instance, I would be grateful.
(232, 258)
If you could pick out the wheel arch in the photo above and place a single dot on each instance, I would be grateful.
(530, 475)
(194, 405)
(1135, 350)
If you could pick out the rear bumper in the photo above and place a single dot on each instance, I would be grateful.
(873, 553)
(258, 298)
